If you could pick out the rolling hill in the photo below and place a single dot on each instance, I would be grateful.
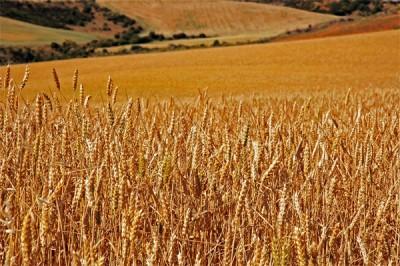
(222, 18)
(14, 32)
(362, 25)
(355, 61)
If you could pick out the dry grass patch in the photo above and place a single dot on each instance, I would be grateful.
(14, 32)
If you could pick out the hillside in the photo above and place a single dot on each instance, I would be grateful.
(356, 61)
(115, 25)
(216, 17)
(360, 25)
(14, 32)
(78, 16)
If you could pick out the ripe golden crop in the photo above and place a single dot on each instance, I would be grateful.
(210, 181)
(357, 61)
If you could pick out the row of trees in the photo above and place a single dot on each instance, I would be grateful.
(70, 49)
(365, 7)
(339, 7)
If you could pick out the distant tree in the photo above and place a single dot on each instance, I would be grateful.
(216, 43)
(54, 46)
(181, 35)
(378, 6)
(337, 9)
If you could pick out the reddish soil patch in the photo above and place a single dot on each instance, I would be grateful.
(361, 25)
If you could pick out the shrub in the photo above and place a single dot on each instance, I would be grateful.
(216, 43)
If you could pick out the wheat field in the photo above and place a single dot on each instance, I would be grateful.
(310, 180)
(357, 61)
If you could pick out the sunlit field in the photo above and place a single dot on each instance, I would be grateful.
(285, 152)
(216, 17)
(250, 180)
(337, 63)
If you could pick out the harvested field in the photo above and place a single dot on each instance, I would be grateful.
(14, 32)
(216, 17)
